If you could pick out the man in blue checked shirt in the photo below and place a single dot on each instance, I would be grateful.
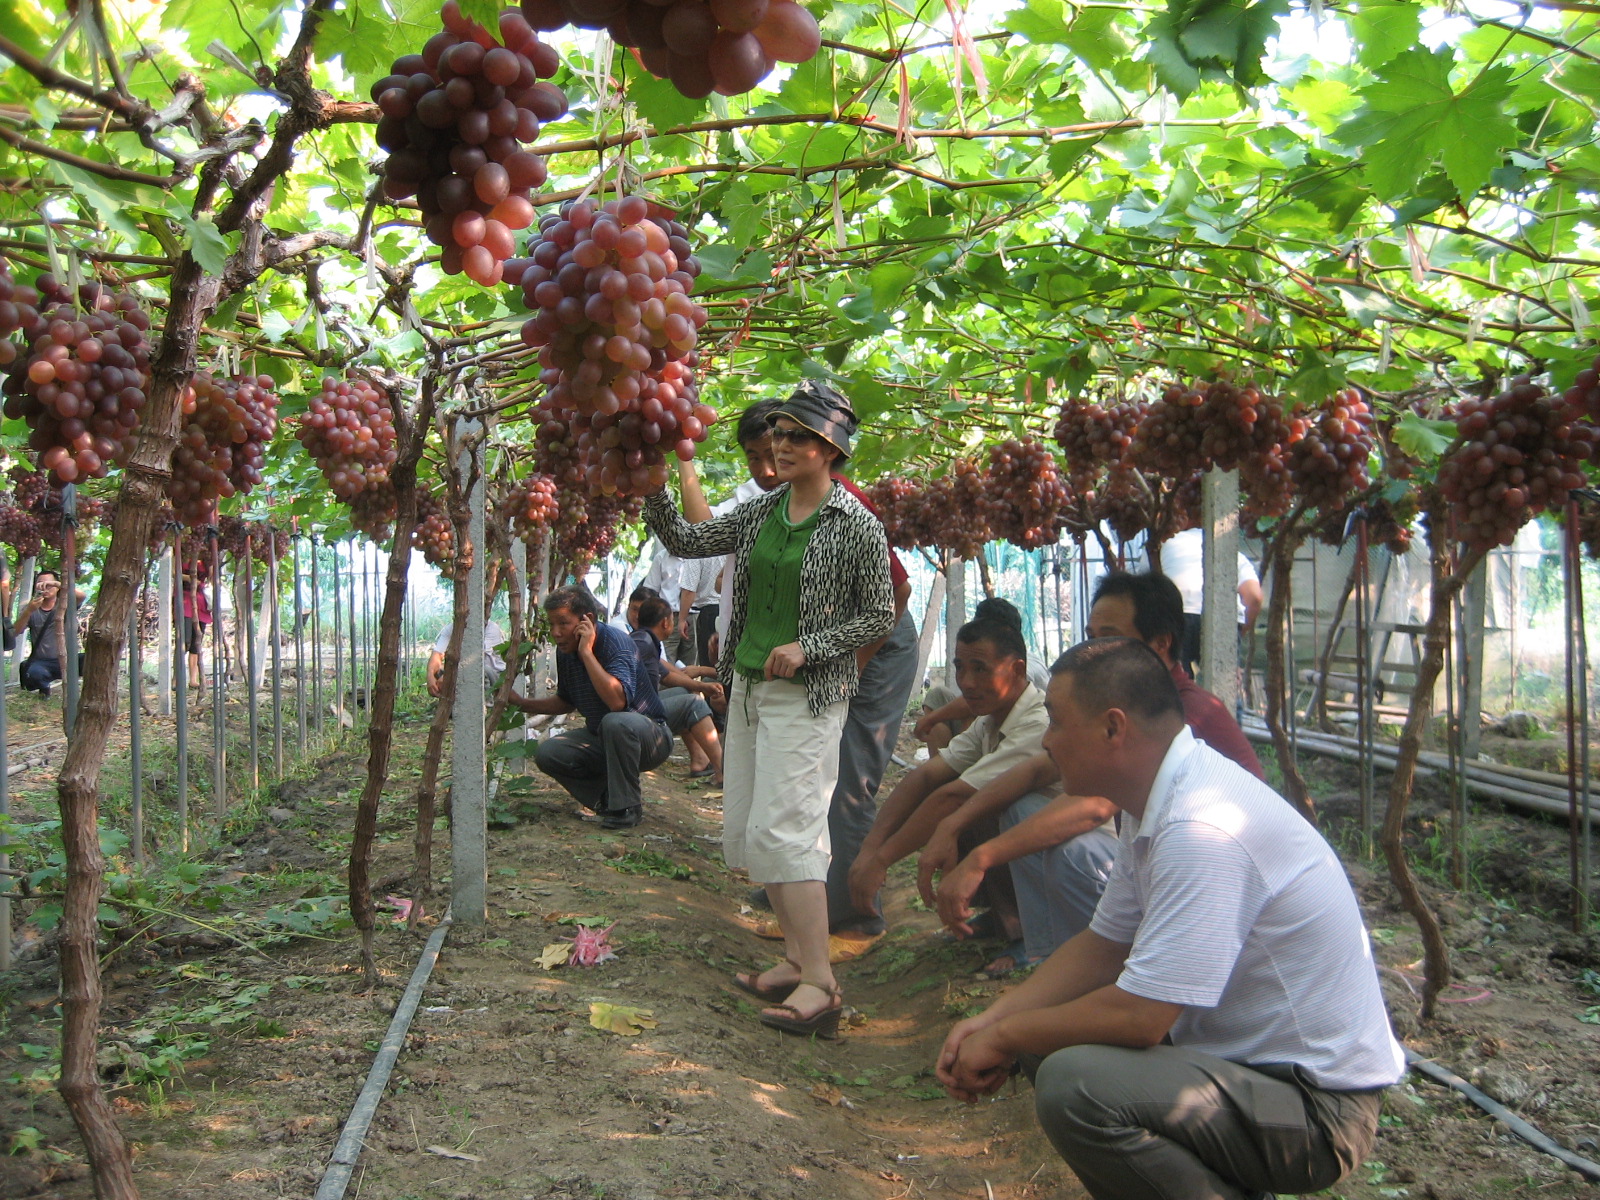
(625, 729)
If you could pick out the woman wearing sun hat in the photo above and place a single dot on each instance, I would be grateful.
(810, 587)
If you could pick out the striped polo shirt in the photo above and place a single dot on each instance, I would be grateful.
(1238, 910)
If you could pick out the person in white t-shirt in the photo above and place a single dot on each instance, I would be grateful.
(1218, 1030)
(493, 665)
(1183, 562)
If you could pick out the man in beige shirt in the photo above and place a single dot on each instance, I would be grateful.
(991, 664)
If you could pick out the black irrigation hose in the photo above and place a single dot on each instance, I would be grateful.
(1539, 1141)
(342, 1164)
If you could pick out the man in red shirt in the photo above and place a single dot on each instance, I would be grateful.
(1059, 848)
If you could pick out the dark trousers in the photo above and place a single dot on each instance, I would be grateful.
(39, 673)
(602, 770)
(871, 729)
(1168, 1123)
(705, 628)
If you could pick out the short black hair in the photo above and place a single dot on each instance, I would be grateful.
(1157, 604)
(652, 610)
(576, 599)
(47, 571)
(643, 593)
(997, 608)
(1121, 673)
(753, 425)
(999, 633)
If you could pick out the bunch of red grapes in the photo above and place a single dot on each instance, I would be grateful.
(433, 533)
(455, 118)
(586, 528)
(898, 501)
(616, 334)
(221, 450)
(80, 384)
(349, 430)
(1170, 439)
(29, 489)
(1327, 448)
(531, 506)
(21, 530)
(955, 511)
(725, 46)
(1093, 436)
(1518, 454)
(1030, 496)
(266, 543)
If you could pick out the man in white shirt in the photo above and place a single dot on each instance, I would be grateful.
(1228, 931)
(1183, 562)
(493, 665)
(991, 664)
(665, 577)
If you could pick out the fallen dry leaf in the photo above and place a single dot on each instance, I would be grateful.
(446, 1152)
(892, 1176)
(828, 1094)
(621, 1018)
(555, 954)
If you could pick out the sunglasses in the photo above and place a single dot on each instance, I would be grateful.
(795, 437)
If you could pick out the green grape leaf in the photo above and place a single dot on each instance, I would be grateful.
(1422, 437)
(1384, 28)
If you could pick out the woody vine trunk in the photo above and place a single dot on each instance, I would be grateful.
(1280, 553)
(142, 494)
(433, 753)
(412, 433)
(1443, 588)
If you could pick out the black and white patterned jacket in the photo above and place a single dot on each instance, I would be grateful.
(845, 598)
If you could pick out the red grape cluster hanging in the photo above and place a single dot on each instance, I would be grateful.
(433, 534)
(221, 450)
(531, 506)
(77, 373)
(266, 543)
(1327, 448)
(724, 46)
(1519, 453)
(1030, 497)
(455, 118)
(616, 334)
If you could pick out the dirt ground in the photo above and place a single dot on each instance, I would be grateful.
(506, 1090)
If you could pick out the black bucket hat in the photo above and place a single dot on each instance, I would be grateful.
(821, 409)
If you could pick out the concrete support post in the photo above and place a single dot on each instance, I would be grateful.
(469, 838)
(955, 614)
(1219, 630)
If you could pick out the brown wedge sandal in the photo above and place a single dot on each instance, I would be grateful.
(745, 981)
(823, 1023)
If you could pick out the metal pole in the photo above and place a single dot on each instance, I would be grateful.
(1364, 683)
(355, 637)
(219, 724)
(299, 653)
(182, 680)
(1572, 569)
(252, 703)
(275, 629)
(5, 811)
(316, 633)
(136, 762)
(338, 644)
(69, 615)
(164, 643)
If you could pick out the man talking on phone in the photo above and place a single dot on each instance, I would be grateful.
(625, 729)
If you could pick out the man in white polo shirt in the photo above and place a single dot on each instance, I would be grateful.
(1227, 929)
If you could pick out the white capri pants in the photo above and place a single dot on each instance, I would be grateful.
(779, 765)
